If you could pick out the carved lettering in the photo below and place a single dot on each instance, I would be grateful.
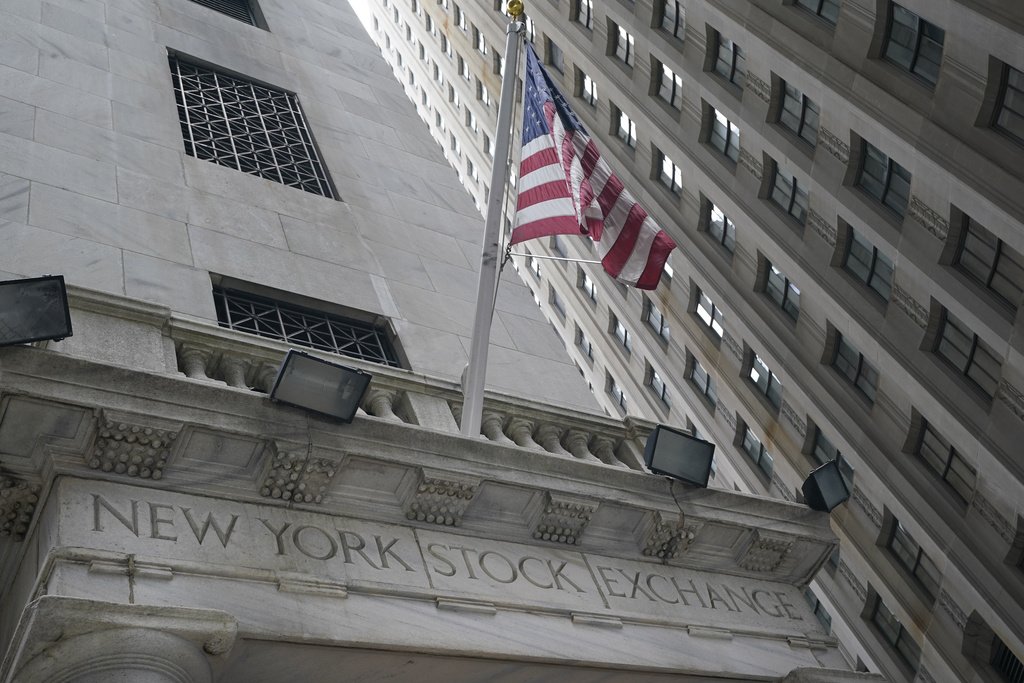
(451, 565)
(650, 578)
(277, 534)
(385, 550)
(692, 589)
(200, 532)
(488, 553)
(465, 558)
(155, 520)
(358, 549)
(608, 582)
(558, 577)
(101, 502)
(757, 601)
(317, 551)
(737, 599)
(522, 570)
(714, 597)
(785, 605)
(635, 581)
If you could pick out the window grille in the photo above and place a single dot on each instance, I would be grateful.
(721, 228)
(799, 114)
(239, 9)
(914, 44)
(884, 179)
(826, 9)
(871, 266)
(303, 326)
(789, 194)
(942, 458)
(252, 128)
(1007, 664)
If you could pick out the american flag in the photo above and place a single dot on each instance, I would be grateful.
(565, 187)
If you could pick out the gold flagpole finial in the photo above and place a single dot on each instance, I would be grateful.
(515, 8)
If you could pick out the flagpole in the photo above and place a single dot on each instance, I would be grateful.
(473, 383)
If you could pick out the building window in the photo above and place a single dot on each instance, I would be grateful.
(617, 393)
(671, 176)
(657, 385)
(430, 26)
(446, 46)
(894, 633)
(884, 179)
(531, 30)
(589, 91)
(824, 451)
(705, 385)
(905, 549)
(799, 114)
(730, 62)
(555, 57)
(968, 354)
(558, 245)
(1010, 114)
(623, 335)
(623, 46)
(460, 18)
(376, 24)
(302, 326)
(588, 287)
(871, 266)
(464, 69)
(670, 87)
(584, 15)
(673, 18)
(627, 129)
(532, 263)
(439, 121)
(416, 8)
(935, 452)
(1006, 664)
(252, 128)
(482, 94)
(667, 272)
(850, 363)
(765, 381)
(454, 98)
(819, 610)
(443, 4)
(471, 120)
(438, 76)
(558, 304)
(721, 228)
(709, 313)
(788, 193)
(724, 136)
(479, 41)
(783, 292)
(826, 9)
(914, 44)
(656, 320)
(756, 451)
(584, 343)
(987, 259)
(456, 146)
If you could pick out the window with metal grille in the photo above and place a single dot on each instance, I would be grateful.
(871, 266)
(779, 289)
(670, 87)
(756, 451)
(909, 554)
(239, 9)
(768, 385)
(705, 385)
(850, 363)
(303, 326)
(799, 114)
(673, 18)
(968, 354)
(709, 313)
(987, 259)
(1006, 664)
(252, 128)
(671, 176)
(730, 62)
(584, 14)
(819, 610)
(721, 228)
(884, 179)
(940, 457)
(724, 135)
(1010, 112)
(623, 46)
(914, 44)
(893, 632)
(826, 9)
(788, 193)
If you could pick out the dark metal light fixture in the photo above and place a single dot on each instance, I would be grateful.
(825, 487)
(320, 386)
(679, 455)
(34, 309)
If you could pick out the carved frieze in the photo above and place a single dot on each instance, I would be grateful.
(727, 414)
(751, 163)
(298, 477)
(783, 490)
(953, 609)
(855, 584)
(834, 145)
(765, 553)
(734, 346)
(564, 519)
(825, 229)
(759, 87)
(132, 450)
(1013, 398)
(922, 213)
(923, 676)
(669, 536)
(17, 504)
(441, 499)
(791, 415)
(867, 506)
(993, 517)
(909, 305)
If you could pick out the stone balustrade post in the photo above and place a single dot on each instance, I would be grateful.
(521, 432)
(491, 428)
(604, 449)
(232, 370)
(575, 442)
(549, 436)
(194, 361)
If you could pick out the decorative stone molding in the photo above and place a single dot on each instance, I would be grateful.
(790, 414)
(765, 553)
(491, 427)
(930, 219)
(834, 145)
(549, 437)
(734, 346)
(762, 89)
(381, 403)
(298, 477)
(577, 442)
(867, 506)
(441, 499)
(780, 486)
(923, 676)
(1013, 398)
(993, 517)
(132, 450)
(604, 448)
(750, 162)
(727, 414)
(855, 584)
(821, 226)
(232, 370)
(669, 538)
(953, 609)
(521, 432)
(193, 361)
(564, 519)
(17, 504)
(909, 305)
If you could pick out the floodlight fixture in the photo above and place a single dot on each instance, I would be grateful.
(825, 487)
(679, 455)
(34, 309)
(320, 386)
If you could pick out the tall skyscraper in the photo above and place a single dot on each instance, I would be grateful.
(843, 179)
